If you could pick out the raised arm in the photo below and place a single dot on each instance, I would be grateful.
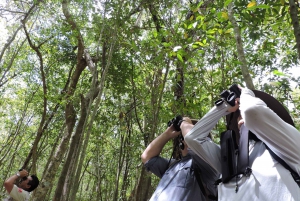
(9, 182)
(196, 136)
(156, 146)
(280, 136)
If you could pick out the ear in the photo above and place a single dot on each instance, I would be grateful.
(28, 186)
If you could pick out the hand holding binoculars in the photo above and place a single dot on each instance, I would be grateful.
(229, 95)
(176, 122)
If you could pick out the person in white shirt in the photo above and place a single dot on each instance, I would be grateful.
(21, 192)
(268, 120)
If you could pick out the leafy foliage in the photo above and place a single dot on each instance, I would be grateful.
(144, 45)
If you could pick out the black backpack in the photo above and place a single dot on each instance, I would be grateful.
(235, 158)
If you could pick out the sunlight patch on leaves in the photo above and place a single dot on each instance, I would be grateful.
(278, 73)
(225, 15)
(251, 4)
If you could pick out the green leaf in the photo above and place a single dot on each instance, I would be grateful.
(263, 6)
(179, 57)
(211, 31)
(200, 4)
(166, 44)
(278, 73)
(199, 43)
(190, 26)
(200, 17)
(201, 51)
(211, 37)
(227, 2)
(134, 47)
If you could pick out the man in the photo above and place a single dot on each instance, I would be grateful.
(265, 179)
(179, 178)
(26, 185)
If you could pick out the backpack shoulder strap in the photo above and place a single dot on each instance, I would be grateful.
(284, 164)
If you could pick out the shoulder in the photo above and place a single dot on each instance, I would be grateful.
(157, 165)
(19, 194)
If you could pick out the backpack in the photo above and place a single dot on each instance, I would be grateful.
(204, 190)
(235, 158)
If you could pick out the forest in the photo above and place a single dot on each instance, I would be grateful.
(86, 85)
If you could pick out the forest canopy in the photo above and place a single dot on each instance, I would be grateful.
(85, 86)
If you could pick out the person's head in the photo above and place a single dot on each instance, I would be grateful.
(233, 118)
(29, 183)
(179, 145)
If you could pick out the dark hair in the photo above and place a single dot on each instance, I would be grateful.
(33, 183)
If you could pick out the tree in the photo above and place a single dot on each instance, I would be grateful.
(85, 86)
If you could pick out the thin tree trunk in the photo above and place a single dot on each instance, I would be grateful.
(143, 188)
(240, 48)
(98, 92)
(61, 193)
(4, 78)
(120, 165)
(47, 181)
(70, 118)
(295, 21)
(43, 118)
(127, 157)
(70, 112)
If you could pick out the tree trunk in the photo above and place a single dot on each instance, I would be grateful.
(70, 118)
(295, 21)
(240, 48)
(143, 189)
(68, 171)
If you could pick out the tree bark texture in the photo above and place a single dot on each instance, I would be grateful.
(240, 48)
(294, 6)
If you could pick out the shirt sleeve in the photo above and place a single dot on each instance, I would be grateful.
(19, 194)
(281, 137)
(157, 165)
(196, 138)
(208, 174)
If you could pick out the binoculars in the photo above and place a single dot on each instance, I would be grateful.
(176, 122)
(229, 95)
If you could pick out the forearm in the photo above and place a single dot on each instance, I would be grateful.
(196, 137)
(203, 127)
(155, 147)
(9, 183)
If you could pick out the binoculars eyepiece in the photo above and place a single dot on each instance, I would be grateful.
(229, 95)
(176, 122)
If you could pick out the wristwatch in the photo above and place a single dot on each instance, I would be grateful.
(18, 174)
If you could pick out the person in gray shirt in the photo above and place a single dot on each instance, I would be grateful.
(180, 180)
